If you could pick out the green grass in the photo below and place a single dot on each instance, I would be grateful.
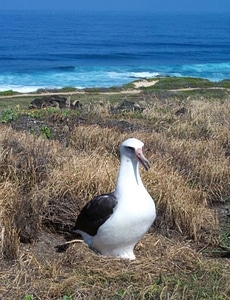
(181, 83)
(201, 284)
(187, 82)
(8, 93)
(224, 83)
(210, 94)
(12, 102)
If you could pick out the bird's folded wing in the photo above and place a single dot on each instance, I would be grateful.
(95, 213)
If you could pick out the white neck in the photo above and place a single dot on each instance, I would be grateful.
(128, 176)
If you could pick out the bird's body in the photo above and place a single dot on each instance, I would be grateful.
(113, 223)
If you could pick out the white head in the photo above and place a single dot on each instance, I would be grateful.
(132, 149)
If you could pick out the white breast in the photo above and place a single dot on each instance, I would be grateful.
(131, 219)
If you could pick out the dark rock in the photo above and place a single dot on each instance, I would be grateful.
(181, 111)
(48, 101)
(54, 101)
(127, 106)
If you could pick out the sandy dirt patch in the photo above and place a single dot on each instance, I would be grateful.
(144, 83)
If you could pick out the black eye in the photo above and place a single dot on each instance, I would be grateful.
(130, 148)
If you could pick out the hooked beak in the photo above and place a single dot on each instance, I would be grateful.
(141, 158)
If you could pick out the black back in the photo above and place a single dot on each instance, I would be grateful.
(95, 213)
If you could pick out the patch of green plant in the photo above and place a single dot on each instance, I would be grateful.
(68, 112)
(13, 101)
(68, 89)
(8, 93)
(163, 94)
(180, 83)
(9, 114)
(201, 284)
(29, 297)
(66, 298)
(153, 79)
(115, 89)
(225, 240)
(121, 292)
(138, 115)
(93, 90)
(223, 248)
(35, 113)
(46, 131)
(224, 83)
(129, 115)
(129, 85)
(48, 112)
(209, 94)
(162, 110)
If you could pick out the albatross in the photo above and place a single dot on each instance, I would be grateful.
(113, 223)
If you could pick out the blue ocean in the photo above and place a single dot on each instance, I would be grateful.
(55, 49)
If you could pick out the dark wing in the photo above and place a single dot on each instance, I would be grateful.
(95, 213)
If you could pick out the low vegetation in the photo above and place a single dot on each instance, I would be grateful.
(53, 161)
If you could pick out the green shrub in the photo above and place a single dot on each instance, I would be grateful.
(9, 114)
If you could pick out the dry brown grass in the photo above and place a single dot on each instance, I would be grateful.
(44, 184)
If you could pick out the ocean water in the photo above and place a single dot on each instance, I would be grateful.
(54, 49)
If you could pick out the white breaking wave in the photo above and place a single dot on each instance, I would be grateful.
(107, 76)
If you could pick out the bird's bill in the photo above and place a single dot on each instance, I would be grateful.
(142, 159)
